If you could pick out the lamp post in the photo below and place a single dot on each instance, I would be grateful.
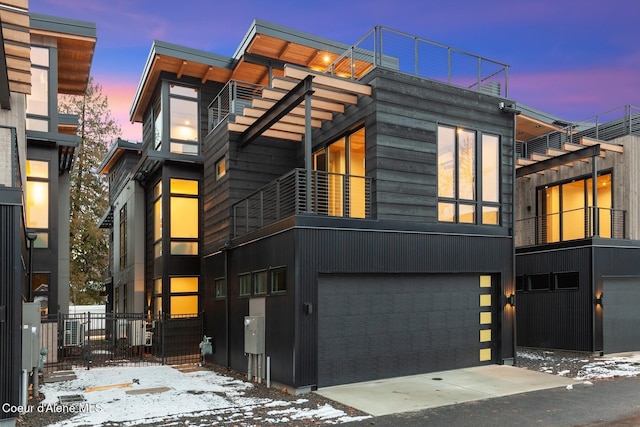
(31, 237)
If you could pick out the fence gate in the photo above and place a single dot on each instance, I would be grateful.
(115, 339)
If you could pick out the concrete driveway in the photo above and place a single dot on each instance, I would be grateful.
(417, 392)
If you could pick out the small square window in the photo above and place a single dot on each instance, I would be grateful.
(220, 288)
(279, 280)
(519, 283)
(221, 168)
(260, 283)
(244, 284)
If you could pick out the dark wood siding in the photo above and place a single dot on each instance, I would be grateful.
(249, 168)
(401, 142)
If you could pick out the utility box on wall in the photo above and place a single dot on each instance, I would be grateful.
(254, 334)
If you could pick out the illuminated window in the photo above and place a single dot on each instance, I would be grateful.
(340, 178)
(184, 216)
(157, 220)
(468, 176)
(157, 125)
(37, 198)
(38, 99)
(184, 296)
(566, 210)
(221, 168)
(183, 119)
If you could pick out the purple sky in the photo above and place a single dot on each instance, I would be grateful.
(570, 58)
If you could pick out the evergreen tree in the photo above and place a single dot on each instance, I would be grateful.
(89, 198)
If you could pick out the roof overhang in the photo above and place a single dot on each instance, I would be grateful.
(119, 147)
(75, 41)
(15, 54)
(66, 145)
(151, 160)
(181, 61)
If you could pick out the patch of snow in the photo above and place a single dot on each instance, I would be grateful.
(564, 372)
(569, 386)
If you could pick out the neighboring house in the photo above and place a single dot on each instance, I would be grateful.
(41, 57)
(578, 244)
(359, 201)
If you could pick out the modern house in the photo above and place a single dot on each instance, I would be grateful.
(578, 244)
(356, 203)
(41, 57)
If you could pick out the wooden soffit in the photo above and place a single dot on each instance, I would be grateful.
(528, 127)
(330, 96)
(16, 42)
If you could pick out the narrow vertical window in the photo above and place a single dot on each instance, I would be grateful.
(37, 201)
(123, 237)
(184, 221)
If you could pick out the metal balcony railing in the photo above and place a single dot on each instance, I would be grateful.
(613, 124)
(333, 194)
(387, 48)
(570, 225)
(233, 97)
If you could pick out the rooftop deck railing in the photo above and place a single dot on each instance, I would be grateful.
(570, 225)
(613, 124)
(384, 47)
(233, 97)
(333, 194)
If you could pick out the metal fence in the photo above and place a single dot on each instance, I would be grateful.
(387, 48)
(90, 339)
(333, 194)
(570, 225)
(613, 124)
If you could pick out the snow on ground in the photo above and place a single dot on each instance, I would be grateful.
(200, 393)
(611, 366)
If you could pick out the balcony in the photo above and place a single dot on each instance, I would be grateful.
(332, 194)
(570, 225)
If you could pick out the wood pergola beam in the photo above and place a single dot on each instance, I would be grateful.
(555, 162)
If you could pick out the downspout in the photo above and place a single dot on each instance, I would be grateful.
(226, 303)
(513, 242)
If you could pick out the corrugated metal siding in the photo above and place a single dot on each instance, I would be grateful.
(12, 281)
(356, 251)
(560, 319)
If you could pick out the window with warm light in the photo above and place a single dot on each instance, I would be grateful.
(38, 99)
(37, 200)
(183, 119)
(221, 168)
(566, 209)
(184, 296)
(342, 187)
(184, 216)
(157, 220)
(468, 176)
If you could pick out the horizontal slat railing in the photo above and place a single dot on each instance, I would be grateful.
(561, 226)
(332, 194)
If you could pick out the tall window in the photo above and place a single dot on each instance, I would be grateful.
(37, 206)
(468, 176)
(38, 100)
(342, 187)
(565, 210)
(184, 217)
(123, 237)
(157, 220)
(183, 120)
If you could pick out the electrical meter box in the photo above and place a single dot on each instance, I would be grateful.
(254, 334)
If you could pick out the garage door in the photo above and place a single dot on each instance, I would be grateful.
(382, 326)
(620, 314)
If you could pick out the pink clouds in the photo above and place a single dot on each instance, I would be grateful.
(576, 94)
(120, 95)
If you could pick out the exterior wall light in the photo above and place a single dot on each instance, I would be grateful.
(511, 300)
(599, 300)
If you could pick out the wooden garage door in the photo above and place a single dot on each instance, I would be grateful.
(621, 314)
(382, 326)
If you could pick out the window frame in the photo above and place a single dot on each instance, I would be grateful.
(272, 272)
(477, 206)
